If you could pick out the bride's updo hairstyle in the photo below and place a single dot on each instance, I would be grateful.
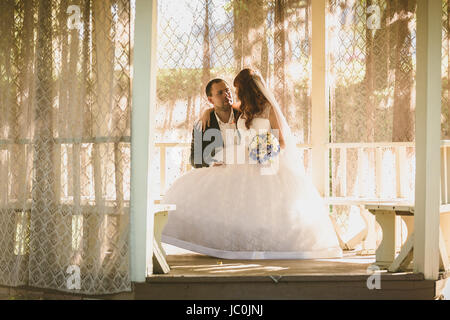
(252, 100)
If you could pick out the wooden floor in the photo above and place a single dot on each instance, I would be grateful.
(195, 276)
(192, 264)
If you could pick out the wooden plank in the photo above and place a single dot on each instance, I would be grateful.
(379, 172)
(405, 256)
(76, 179)
(343, 171)
(401, 171)
(360, 173)
(357, 239)
(409, 221)
(142, 139)
(444, 183)
(164, 207)
(369, 145)
(364, 201)
(427, 138)
(370, 242)
(398, 168)
(161, 218)
(339, 233)
(391, 207)
(160, 264)
(319, 98)
(162, 170)
(447, 174)
(385, 253)
(443, 255)
(398, 233)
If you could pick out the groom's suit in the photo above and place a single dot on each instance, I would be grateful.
(200, 143)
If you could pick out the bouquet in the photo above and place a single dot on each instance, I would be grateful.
(264, 148)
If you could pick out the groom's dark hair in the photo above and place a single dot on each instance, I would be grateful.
(209, 85)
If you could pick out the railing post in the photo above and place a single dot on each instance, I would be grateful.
(343, 170)
(144, 97)
(319, 123)
(162, 169)
(444, 175)
(379, 171)
(428, 132)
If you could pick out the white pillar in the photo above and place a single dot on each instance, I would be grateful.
(319, 123)
(428, 134)
(142, 135)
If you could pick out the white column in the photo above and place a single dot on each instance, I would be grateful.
(428, 134)
(142, 135)
(319, 123)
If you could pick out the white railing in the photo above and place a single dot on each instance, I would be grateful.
(401, 178)
(399, 150)
(162, 161)
(445, 171)
(164, 146)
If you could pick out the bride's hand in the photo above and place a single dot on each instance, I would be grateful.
(206, 118)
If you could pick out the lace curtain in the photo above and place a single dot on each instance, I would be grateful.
(199, 40)
(65, 144)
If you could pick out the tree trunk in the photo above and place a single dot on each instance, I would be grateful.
(188, 112)
(237, 35)
(280, 54)
(403, 120)
(368, 84)
(306, 95)
(206, 74)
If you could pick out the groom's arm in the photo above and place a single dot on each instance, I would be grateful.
(196, 157)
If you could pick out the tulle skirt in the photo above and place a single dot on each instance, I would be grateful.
(236, 212)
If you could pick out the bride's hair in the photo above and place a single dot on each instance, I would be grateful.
(252, 99)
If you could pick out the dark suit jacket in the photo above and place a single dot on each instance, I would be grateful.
(201, 140)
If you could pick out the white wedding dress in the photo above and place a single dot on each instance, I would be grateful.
(234, 211)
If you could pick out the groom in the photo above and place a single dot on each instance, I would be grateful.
(223, 117)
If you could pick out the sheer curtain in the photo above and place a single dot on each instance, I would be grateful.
(65, 107)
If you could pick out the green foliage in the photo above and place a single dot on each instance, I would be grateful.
(174, 84)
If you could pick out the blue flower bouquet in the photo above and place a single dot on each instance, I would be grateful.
(264, 148)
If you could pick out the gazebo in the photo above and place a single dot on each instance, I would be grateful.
(90, 98)
(427, 193)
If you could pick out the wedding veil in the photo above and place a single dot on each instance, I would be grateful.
(291, 155)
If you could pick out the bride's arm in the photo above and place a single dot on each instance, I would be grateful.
(276, 126)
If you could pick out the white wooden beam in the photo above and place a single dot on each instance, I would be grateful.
(428, 133)
(319, 123)
(142, 135)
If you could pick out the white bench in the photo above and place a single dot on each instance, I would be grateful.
(385, 214)
(366, 237)
(161, 214)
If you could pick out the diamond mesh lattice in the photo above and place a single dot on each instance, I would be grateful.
(373, 70)
(445, 118)
(203, 39)
(372, 99)
(65, 107)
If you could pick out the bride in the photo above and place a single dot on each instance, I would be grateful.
(260, 208)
